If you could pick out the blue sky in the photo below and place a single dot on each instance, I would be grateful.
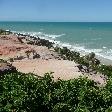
(56, 10)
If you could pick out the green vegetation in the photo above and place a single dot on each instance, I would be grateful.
(29, 93)
(2, 61)
(4, 32)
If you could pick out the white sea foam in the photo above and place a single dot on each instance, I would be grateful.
(52, 36)
(99, 52)
(95, 39)
(105, 55)
(104, 47)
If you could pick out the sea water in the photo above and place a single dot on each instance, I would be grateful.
(84, 37)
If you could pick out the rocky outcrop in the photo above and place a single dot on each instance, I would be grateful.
(39, 42)
(6, 67)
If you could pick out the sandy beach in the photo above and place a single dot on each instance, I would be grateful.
(47, 61)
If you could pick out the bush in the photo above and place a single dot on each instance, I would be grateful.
(26, 93)
(62, 107)
(4, 32)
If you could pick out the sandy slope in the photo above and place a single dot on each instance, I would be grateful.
(61, 68)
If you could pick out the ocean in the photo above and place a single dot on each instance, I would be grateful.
(84, 37)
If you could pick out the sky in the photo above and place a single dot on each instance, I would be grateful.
(56, 10)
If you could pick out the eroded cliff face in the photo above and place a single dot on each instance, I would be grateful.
(10, 45)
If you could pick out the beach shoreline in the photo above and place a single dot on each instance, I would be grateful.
(15, 46)
(103, 59)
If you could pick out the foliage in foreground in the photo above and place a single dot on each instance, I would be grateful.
(26, 93)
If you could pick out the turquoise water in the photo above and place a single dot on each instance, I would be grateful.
(84, 37)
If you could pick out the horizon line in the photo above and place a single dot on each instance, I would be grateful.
(58, 21)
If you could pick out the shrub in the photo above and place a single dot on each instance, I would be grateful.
(62, 107)
(29, 93)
